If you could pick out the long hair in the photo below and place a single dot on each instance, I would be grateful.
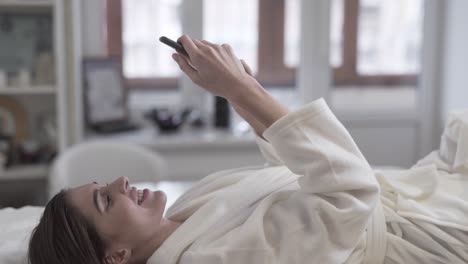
(64, 236)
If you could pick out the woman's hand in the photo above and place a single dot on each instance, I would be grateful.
(215, 68)
(254, 123)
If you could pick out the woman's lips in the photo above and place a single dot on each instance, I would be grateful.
(145, 194)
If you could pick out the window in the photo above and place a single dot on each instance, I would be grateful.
(145, 62)
(373, 42)
(381, 43)
(239, 31)
(143, 23)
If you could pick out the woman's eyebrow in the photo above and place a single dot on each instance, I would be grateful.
(95, 200)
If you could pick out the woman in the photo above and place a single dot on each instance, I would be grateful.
(317, 201)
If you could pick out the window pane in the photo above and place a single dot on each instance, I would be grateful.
(336, 32)
(235, 23)
(292, 32)
(389, 38)
(143, 22)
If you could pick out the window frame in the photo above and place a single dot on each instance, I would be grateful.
(272, 70)
(346, 74)
(115, 49)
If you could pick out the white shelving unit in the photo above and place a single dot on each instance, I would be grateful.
(56, 93)
(26, 172)
(27, 90)
(27, 3)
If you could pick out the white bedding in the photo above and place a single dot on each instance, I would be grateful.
(16, 224)
(15, 227)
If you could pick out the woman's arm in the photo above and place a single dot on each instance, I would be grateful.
(216, 69)
(254, 123)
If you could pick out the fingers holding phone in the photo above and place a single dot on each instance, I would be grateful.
(216, 68)
(175, 45)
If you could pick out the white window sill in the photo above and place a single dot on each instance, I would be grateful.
(375, 103)
(349, 103)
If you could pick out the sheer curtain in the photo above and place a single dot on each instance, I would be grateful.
(144, 21)
(389, 38)
(233, 22)
(389, 34)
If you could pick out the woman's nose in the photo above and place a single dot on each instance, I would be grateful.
(123, 182)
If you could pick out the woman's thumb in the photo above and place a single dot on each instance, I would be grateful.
(247, 68)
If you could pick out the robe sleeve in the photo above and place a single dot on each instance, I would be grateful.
(268, 152)
(454, 143)
(337, 184)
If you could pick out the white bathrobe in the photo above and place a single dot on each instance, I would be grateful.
(312, 210)
(426, 207)
(317, 201)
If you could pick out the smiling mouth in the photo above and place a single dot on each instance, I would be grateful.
(141, 196)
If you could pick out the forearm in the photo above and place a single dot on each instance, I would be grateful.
(254, 123)
(217, 70)
(259, 108)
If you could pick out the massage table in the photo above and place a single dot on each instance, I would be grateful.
(16, 224)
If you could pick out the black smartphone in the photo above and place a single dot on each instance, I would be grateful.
(176, 45)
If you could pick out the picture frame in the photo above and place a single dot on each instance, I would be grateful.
(105, 95)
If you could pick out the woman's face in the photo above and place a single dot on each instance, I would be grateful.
(123, 216)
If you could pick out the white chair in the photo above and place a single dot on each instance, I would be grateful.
(103, 161)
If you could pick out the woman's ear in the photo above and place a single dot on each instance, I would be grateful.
(121, 256)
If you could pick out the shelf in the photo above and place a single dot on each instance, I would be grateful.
(27, 90)
(27, 3)
(185, 139)
(24, 172)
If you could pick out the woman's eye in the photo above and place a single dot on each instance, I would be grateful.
(108, 201)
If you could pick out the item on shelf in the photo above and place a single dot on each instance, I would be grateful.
(6, 150)
(19, 37)
(7, 122)
(47, 153)
(3, 78)
(3, 160)
(166, 120)
(44, 69)
(47, 127)
(24, 34)
(23, 78)
(29, 152)
(14, 118)
(6, 23)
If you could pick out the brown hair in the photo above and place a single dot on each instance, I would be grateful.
(63, 235)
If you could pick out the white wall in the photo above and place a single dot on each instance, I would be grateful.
(455, 81)
(93, 29)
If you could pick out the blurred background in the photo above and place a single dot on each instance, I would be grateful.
(78, 71)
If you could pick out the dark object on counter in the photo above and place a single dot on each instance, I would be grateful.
(222, 115)
(166, 120)
(33, 152)
(115, 127)
(29, 152)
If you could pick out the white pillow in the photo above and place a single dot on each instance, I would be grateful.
(16, 226)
